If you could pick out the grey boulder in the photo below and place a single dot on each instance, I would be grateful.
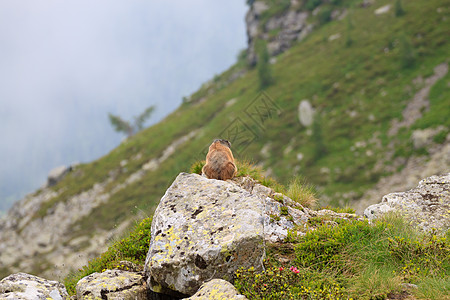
(22, 286)
(203, 229)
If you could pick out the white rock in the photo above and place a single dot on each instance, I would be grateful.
(305, 113)
(382, 10)
(334, 37)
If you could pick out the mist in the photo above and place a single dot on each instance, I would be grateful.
(64, 65)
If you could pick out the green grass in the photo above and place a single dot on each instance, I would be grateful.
(354, 260)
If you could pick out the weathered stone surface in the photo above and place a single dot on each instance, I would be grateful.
(22, 286)
(217, 289)
(427, 206)
(113, 285)
(203, 229)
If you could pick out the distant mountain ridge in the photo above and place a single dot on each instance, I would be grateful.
(356, 77)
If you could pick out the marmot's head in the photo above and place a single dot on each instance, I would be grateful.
(223, 142)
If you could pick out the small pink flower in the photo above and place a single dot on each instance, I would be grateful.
(265, 284)
(294, 269)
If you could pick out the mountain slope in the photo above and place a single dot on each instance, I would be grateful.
(358, 73)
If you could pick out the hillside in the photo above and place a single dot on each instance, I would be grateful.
(379, 88)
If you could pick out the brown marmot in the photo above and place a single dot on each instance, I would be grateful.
(219, 161)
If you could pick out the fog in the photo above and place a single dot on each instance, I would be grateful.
(64, 65)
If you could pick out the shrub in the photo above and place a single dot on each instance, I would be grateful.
(320, 149)
(407, 52)
(264, 68)
(324, 15)
(349, 39)
(312, 4)
(440, 137)
(399, 11)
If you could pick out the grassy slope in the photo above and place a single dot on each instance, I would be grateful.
(369, 80)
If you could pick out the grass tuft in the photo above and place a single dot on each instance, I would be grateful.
(301, 192)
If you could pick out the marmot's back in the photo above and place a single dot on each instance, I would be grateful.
(219, 161)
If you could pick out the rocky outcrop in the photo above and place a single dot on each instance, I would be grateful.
(113, 284)
(281, 27)
(217, 289)
(56, 174)
(23, 286)
(427, 206)
(205, 229)
(291, 25)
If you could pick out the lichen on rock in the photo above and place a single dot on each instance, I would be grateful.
(113, 284)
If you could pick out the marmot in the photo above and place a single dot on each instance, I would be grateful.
(219, 161)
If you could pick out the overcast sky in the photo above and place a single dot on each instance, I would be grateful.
(64, 65)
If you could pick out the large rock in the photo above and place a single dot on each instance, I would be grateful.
(217, 289)
(22, 286)
(427, 206)
(113, 285)
(203, 229)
